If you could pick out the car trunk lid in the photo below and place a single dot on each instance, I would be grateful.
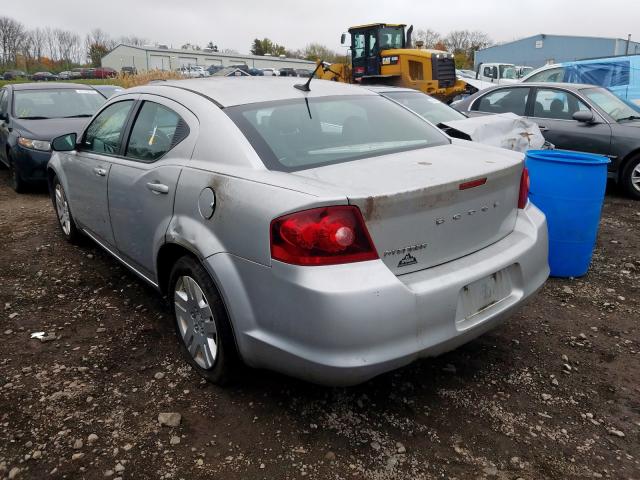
(430, 206)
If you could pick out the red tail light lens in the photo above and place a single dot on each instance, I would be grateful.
(358, 70)
(524, 188)
(322, 236)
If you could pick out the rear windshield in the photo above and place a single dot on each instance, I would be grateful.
(427, 107)
(305, 133)
(56, 103)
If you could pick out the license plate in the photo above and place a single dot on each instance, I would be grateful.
(482, 294)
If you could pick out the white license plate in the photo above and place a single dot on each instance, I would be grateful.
(482, 294)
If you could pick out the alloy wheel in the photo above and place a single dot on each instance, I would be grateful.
(635, 178)
(62, 208)
(195, 322)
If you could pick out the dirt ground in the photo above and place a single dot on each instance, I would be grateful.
(552, 394)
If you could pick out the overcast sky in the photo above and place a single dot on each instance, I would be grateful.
(235, 23)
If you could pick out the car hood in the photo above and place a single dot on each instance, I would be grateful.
(49, 128)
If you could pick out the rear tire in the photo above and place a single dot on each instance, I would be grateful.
(201, 322)
(630, 178)
(63, 212)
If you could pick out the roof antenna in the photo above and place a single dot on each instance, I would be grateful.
(305, 87)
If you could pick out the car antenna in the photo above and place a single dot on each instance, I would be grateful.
(305, 86)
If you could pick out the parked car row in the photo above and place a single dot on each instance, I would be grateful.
(74, 74)
(231, 196)
(199, 71)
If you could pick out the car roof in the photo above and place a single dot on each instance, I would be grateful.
(50, 85)
(230, 91)
(387, 88)
(566, 86)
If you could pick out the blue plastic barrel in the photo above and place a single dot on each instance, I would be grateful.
(569, 188)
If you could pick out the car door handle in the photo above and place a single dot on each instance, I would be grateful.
(158, 187)
(101, 172)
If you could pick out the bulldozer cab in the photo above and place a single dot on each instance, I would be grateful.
(368, 41)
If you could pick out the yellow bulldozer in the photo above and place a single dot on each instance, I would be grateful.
(382, 54)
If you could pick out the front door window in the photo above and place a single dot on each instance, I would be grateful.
(104, 133)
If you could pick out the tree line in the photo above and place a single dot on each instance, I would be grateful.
(462, 43)
(57, 49)
(53, 48)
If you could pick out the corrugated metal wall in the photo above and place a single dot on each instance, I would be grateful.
(543, 49)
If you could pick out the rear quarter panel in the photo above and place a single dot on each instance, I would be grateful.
(244, 209)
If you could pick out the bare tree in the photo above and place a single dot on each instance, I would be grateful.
(478, 40)
(50, 42)
(69, 46)
(39, 42)
(133, 40)
(11, 35)
(430, 37)
(457, 41)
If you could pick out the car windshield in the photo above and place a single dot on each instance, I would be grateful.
(56, 103)
(612, 105)
(508, 72)
(305, 133)
(427, 107)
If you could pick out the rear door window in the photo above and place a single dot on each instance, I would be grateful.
(504, 100)
(156, 130)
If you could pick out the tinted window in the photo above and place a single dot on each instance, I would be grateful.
(427, 107)
(293, 134)
(504, 100)
(549, 75)
(103, 135)
(556, 104)
(157, 129)
(56, 103)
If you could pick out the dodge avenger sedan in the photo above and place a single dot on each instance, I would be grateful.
(329, 234)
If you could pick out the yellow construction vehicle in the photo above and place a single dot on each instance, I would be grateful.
(382, 54)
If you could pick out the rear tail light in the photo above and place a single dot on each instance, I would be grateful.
(524, 188)
(322, 236)
(358, 70)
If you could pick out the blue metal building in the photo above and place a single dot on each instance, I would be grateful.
(544, 49)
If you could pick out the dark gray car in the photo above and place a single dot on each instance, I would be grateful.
(573, 117)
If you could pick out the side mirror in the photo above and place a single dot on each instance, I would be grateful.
(343, 38)
(64, 143)
(584, 116)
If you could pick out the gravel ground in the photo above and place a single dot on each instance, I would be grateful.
(554, 393)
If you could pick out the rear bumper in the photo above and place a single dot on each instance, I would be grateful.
(344, 324)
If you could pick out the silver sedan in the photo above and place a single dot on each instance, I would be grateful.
(327, 234)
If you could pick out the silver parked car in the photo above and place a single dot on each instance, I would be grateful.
(331, 235)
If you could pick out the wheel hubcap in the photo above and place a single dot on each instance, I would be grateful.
(195, 322)
(635, 177)
(62, 207)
